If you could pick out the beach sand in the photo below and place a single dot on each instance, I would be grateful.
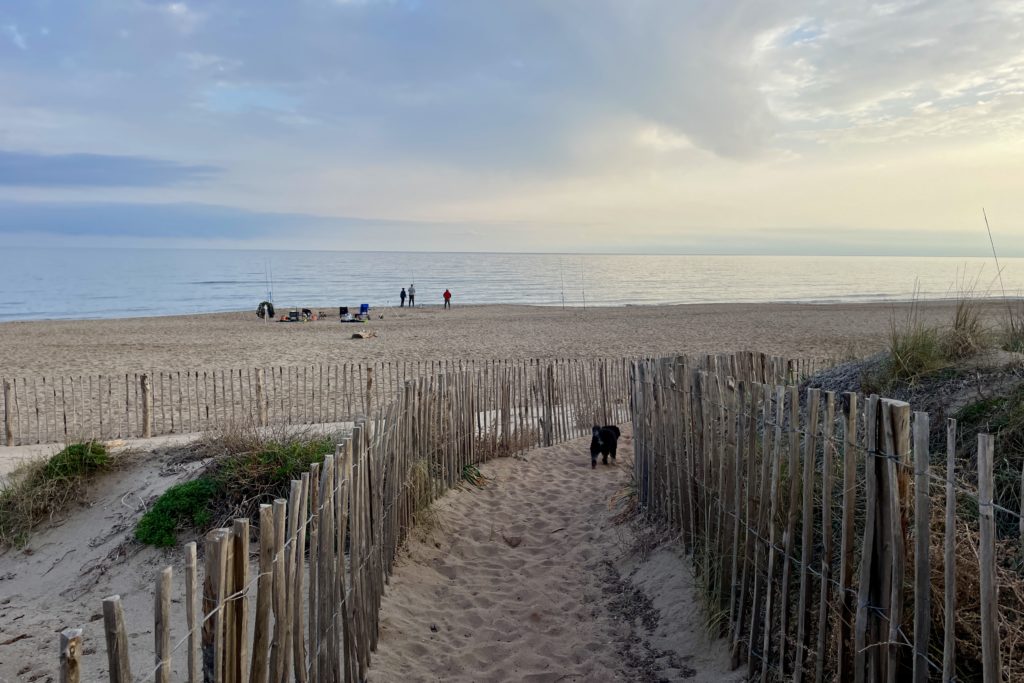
(218, 341)
(529, 579)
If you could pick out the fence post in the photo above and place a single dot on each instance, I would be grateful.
(847, 613)
(191, 581)
(922, 548)
(8, 434)
(991, 665)
(261, 403)
(897, 451)
(71, 655)
(162, 626)
(949, 558)
(117, 640)
(147, 406)
(369, 389)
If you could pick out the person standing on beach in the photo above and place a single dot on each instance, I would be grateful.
(412, 296)
(402, 298)
(447, 299)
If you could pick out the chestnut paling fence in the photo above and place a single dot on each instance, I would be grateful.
(309, 611)
(827, 543)
(64, 409)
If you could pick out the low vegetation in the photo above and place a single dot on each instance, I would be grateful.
(1013, 328)
(1003, 417)
(916, 350)
(41, 490)
(246, 470)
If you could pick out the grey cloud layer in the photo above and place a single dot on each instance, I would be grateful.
(168, 93)
(94, 170)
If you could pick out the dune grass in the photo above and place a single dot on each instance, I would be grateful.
(247, 469)
(41, 490)
(916, 350)
(1013, 328)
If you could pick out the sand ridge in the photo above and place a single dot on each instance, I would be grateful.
(528, 579)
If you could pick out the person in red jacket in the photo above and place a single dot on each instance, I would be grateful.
(447, 299)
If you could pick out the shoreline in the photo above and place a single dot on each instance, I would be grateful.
(866, 301)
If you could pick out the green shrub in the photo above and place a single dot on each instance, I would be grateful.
(181, 505)
(77, 460)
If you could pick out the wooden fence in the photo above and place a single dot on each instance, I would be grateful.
(143, 404)
(810, 521)
(309, 610)
(325, 553)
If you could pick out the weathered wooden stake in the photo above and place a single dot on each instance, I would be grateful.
(8, 432)
(162, 626)
(922, 548)
(990, 657)
(147, 406)
(949, 559)
(117, 640)
(71, 655)
(191, 583)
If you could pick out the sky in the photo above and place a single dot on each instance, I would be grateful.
(683, 126)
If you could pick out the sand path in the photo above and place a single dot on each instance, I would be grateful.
(528, 579)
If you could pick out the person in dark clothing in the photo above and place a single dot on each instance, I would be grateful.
(402, 298)
(447, 299)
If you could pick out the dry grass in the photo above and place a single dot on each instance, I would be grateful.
(1013, 327)
(915, 349)
(39, 491)
(967, 619)
(967, 335)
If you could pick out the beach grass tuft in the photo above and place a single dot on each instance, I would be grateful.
(966, 335)
(40, 490)
(1013, 328)
(915, 349)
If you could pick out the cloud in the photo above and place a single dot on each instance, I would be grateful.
(16, 37)
(730, 115)
(28, 169)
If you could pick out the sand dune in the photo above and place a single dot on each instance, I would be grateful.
(527, 579)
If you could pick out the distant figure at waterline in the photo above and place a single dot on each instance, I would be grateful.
(447, 299)
(412, 296)
(402, 298)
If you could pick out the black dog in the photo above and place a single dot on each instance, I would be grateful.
(603, 441)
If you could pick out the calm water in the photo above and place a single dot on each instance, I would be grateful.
(84, 283)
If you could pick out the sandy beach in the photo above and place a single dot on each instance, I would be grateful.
(465, 332)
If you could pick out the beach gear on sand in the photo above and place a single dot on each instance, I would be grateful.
(265, 310)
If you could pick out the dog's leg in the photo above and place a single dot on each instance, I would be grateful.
(613, 454)
(593, 460)
(604, 459)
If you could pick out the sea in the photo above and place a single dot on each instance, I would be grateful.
(60, 283)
